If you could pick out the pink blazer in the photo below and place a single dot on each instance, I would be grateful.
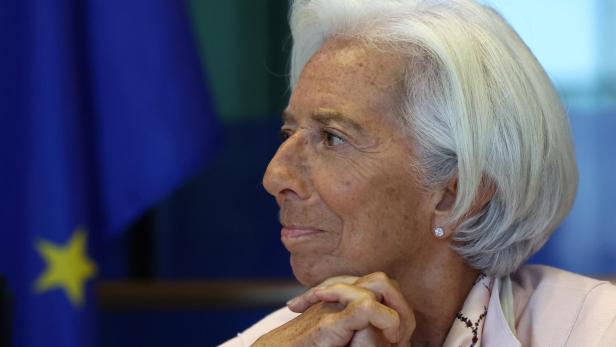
(551, 308)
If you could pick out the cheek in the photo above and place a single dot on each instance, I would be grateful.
(372, 202)
(383, 214)
(342, 188)
(373, 191)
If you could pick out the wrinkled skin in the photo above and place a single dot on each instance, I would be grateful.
(348, 311)
(354, 185)
(351, 205)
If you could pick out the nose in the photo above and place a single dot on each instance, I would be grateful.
(288, 174)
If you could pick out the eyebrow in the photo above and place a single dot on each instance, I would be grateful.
(327, 116)
(287, 117)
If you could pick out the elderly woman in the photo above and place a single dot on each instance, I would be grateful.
(426, 156)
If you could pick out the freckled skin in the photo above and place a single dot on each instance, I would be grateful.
(361, 192)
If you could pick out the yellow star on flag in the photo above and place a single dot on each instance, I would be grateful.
(68, 267)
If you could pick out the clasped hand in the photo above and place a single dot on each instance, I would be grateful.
(347, 311)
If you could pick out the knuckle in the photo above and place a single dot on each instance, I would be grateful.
(377, 277)
(380, 275)
(343, 287)
(364, 306)
(339, 288)
(366, 294)
(387, 281)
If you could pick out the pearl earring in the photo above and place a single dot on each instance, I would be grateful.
(439, 232)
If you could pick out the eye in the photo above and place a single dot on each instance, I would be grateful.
(332, 140)
(284, 134)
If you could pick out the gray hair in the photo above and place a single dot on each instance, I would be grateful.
(479, 107)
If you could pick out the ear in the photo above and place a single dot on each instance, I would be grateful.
(446, 198)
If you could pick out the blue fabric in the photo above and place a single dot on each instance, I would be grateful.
(103, 111)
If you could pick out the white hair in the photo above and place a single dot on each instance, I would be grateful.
(479, 107)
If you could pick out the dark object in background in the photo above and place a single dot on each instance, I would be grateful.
(5, 314)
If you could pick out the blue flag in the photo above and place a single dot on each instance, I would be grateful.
(103, 111)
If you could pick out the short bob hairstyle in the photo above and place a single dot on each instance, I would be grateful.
(479, 107)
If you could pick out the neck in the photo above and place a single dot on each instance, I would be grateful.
(436, 291)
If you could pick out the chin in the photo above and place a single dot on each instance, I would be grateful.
(304, 280)
(306, 272)
(311, 272)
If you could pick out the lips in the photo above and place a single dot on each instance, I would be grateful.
(294, 232)
(308, 240)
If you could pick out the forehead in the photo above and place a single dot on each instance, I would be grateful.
(350, 76)
(353, 56)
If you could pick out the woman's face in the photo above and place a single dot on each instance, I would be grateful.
(349, 201)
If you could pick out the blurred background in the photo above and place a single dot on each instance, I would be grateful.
(133, 138)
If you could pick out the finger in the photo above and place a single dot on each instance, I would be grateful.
(300, 303)
(344, 294)
(361, 314)
(389, 290)
(347, 294)
(339, 279)
(386, 288)
(369, 337)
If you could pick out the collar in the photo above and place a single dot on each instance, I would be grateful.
(487, 317)
(468, 326)
(500, 321)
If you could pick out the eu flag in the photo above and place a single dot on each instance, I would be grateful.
(103, 111)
